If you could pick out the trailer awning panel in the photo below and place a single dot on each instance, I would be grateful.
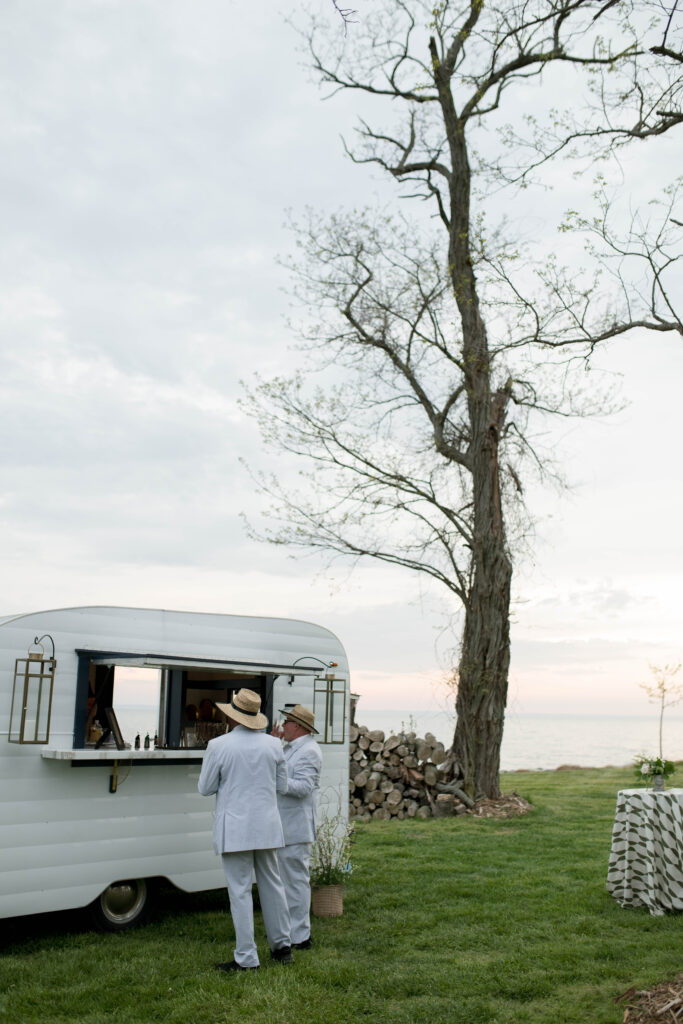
(178, 661)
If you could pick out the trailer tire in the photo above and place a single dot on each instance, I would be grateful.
(122, 905)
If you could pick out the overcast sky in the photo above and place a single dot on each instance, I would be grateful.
(150, 151)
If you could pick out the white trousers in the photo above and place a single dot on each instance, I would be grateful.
(239, 869)
(294, 861)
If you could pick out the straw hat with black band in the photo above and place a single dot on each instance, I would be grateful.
(301, 716)
(245, 709)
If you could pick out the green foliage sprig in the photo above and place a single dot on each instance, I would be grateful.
(331, 855)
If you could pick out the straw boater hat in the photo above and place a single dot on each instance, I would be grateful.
(245, 709)
(300, 715)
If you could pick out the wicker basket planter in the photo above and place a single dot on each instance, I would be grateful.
(328, 901)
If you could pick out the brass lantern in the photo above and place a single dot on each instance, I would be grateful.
(34, 678)
(329, 704)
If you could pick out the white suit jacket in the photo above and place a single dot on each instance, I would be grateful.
(299, 805)
(244, 769)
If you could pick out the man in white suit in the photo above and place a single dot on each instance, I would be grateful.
(245, 768)
(298, 809)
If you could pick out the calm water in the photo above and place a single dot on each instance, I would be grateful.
(548, 741)
(530, 741)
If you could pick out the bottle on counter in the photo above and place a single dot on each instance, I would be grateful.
(156, 740)
(147, 742)
(137, 742)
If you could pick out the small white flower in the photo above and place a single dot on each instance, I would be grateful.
(645, 769)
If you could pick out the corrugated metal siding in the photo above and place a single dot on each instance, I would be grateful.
(65, 837)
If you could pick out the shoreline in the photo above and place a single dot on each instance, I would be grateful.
(565, 768)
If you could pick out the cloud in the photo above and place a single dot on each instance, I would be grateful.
(149, 153)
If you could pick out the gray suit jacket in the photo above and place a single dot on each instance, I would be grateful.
(245, 769)
(299, 806)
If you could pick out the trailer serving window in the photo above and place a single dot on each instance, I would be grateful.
(192, 696)
(186, 696)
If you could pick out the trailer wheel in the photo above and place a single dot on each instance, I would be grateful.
(121, 905)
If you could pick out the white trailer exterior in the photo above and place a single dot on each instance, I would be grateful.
(81, 824)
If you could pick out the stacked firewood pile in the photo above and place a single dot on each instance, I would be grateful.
(400, 777)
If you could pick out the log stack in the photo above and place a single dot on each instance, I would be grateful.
(400, 777)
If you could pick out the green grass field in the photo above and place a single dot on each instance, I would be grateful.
(450, 921)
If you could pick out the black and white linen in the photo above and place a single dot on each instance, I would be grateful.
(646, 859)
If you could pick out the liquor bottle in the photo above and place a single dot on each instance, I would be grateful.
(137, 742)
(147, 742)
(156, 740)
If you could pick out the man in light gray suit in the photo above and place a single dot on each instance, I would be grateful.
(298, 809)
(245, 768)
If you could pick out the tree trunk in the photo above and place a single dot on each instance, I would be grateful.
(482, 687)
(485, 654)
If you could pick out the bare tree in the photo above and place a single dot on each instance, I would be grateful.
(443, 342)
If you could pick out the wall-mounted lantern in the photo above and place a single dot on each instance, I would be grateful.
(329, 706)
(329, 701)
(34, 678)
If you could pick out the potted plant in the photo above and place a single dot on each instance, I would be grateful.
(330, 865)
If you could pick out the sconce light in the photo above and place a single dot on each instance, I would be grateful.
(34, 678)
(310, 657)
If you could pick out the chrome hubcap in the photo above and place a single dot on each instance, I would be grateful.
(123, 901)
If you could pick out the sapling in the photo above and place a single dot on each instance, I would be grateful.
(665, 692)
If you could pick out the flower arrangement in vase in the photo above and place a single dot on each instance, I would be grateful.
(653, 770)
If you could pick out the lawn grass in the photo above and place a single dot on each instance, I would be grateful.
(451, 921)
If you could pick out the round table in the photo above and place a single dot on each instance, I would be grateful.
(646, 860)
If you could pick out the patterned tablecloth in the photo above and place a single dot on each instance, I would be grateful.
(646, 861)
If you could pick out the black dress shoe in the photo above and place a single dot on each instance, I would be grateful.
(232, 965)
(283, 955)
(304, 944)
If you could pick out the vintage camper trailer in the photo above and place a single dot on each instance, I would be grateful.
(87, 819)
